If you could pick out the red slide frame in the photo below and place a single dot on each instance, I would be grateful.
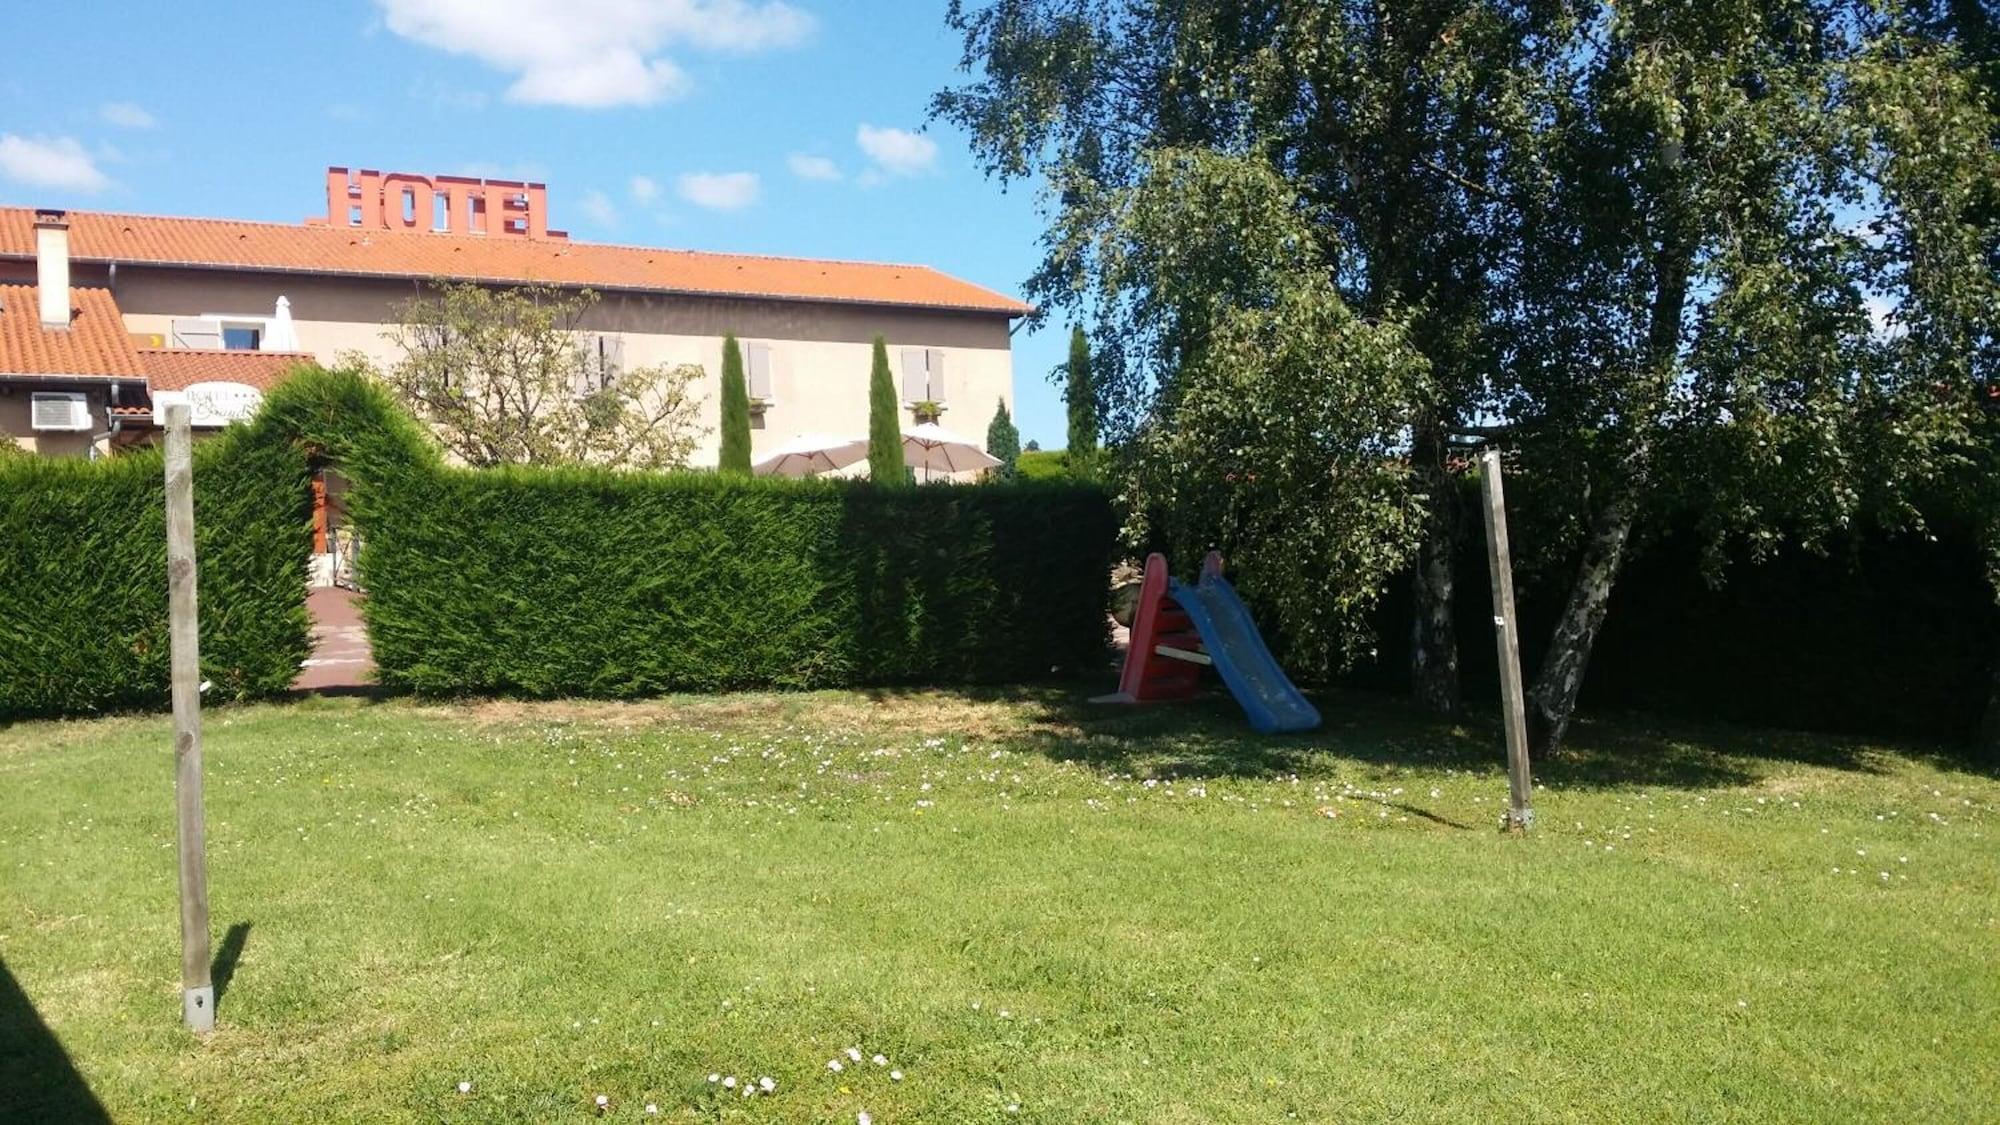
(1158, 620)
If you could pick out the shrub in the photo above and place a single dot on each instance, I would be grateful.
(583, 582)
(735, 457)
(83, 567)
(538, 580)
(1043, 464)
(1080, 393)
(885, 427)
(1003, 440)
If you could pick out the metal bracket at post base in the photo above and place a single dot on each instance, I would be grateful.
(198, 1008)
(1520, 820)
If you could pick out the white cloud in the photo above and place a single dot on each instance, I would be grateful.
(645, 189)
(598, 208)
(720, 191)
(594, 53)
(898, 152)
(51, 162)
(812, 167)
(126, 115)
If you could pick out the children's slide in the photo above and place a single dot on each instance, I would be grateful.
(1177, 629)
(1231, 640)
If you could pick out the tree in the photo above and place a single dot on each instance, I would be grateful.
(885, 430)
(1749, 289)
(735, 457)
(1003, 441)
(1395, 129)
(1277, 439)
(1720, 259)
(1080, 394)
(508, 376)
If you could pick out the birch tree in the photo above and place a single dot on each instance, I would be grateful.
(1751, 287)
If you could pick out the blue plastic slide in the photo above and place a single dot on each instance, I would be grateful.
(1240, 655)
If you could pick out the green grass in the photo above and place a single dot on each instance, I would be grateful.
(1091, 915)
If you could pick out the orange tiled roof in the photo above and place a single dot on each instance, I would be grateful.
(95, 345)
(97, 236)
(174, 369)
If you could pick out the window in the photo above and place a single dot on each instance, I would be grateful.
(225, 333)
(923, 375)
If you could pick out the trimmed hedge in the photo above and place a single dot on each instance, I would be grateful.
(536, 581)
(83, 575)
(1883, 635)
(589, 582)
(581, 582)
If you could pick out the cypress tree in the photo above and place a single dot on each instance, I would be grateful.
(1082, 399)
(1003, 440)
(885, 432)
(735, 411)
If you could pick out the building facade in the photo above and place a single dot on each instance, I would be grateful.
(334, 285)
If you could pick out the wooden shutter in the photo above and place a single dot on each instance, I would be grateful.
(916, 375)
(935, 361)
(760, 372)
(197, 332)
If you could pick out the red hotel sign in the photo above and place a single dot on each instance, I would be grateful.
(371, 200)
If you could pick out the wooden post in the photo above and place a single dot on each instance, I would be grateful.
(184, 633)
(1499, 562)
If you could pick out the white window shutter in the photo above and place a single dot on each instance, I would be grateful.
(197, 332)
(935, 359)
(916, 376)
(760, 372)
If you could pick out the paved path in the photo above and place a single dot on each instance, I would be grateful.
(340, 656)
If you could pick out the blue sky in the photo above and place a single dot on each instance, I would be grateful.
(764, 127)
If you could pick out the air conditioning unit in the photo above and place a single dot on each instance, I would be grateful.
(62, 411)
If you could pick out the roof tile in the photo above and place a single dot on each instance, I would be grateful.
(95, 345)
(314, 249)
(174, 369)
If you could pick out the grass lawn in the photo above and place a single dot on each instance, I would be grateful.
(1034, 910)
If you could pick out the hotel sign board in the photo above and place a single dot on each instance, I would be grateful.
(210, 404)
(365, 199)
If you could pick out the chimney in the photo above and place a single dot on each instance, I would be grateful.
(52, 267)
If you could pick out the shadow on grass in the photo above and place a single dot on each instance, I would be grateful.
(1209, 737)
(37, 1080)
(222, 969)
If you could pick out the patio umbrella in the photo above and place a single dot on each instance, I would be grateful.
(932, 447)
(280, 336)
(811, 453)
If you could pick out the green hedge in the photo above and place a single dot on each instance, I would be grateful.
(1043, 464)
(581, 582)
(588, 582)
(83, 575)
(536, 581)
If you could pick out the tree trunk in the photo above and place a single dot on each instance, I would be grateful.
(1433, 630)
(1552, 701)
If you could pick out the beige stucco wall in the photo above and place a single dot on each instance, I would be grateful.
(820, 351)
